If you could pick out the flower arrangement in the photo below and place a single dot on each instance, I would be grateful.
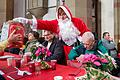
(39, 53)
(97, 67)
(104, 63)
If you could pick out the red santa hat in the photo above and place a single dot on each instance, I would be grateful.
(66, 10)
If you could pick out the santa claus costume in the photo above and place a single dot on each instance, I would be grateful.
(68, 31)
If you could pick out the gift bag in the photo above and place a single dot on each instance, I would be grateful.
(19, 30)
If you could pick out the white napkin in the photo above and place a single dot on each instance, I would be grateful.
(1, 72)
(21, 73)
(6, 56)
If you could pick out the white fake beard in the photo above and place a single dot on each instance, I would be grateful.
(68, 32)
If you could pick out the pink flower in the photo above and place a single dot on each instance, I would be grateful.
(87, 57)
(94, 56)
(90, 57)
(92, 60)
(38, 52)
(43, 50)
(41, 53)
(104, 60)
(48, 53)
(97, 63)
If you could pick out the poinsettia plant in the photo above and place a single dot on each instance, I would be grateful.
(104, 63)
(97, 66)
(39, 53)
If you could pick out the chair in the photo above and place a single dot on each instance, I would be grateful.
(67, 51)
(119, 55)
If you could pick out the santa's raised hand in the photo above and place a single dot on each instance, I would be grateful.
(32, 22)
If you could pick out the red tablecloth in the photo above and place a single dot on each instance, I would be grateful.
(49, 74)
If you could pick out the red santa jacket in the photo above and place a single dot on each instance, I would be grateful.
(53, 24)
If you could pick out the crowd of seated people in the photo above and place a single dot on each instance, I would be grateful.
(50, 41)
(3, 44)
(90, 46)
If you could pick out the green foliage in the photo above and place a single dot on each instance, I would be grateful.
(96, 74)
(33, 49)
(99, 72)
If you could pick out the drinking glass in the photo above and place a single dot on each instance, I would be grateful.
(37, 68)
(18, 62)
(9, 61)
(53, 64)
(32, 67)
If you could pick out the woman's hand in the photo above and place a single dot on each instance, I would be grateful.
(14, 37)
(80, 58)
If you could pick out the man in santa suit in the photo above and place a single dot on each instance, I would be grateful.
(68, 28)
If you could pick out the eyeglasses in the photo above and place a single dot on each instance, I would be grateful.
(88, 43)
(46, 34)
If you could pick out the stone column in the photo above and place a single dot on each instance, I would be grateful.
(19, 8)
(2, 12)
(107, 16)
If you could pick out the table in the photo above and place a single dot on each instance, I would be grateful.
(61, 70)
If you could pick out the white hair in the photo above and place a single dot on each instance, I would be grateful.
(88, 36)
(68, 32)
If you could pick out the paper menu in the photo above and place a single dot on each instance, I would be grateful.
(4, 33)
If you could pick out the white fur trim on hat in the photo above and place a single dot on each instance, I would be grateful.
(66, 11)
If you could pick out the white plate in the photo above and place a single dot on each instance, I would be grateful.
(58, 78)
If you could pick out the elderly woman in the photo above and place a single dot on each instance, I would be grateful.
(89, 46)
(32, 40)
(12, 38)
